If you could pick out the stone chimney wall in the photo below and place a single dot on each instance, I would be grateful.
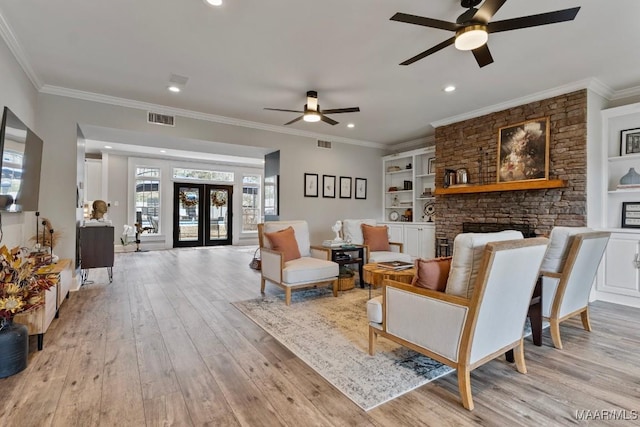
(462, 144)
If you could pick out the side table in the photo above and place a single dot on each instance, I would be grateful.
(350, 250)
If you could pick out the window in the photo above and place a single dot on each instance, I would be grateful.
(148, 199)
(203, 175)
(250, 202)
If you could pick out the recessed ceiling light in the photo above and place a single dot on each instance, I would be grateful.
(174, 89)
(108, 146)
(351, 125)
(163, 151)
(213, 2)
(449, 88)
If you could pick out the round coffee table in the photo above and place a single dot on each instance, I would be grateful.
(374, 275)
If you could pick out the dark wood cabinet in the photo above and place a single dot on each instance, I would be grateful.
(96, 248)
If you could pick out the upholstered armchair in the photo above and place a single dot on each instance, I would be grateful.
(567, 272)
(290, 262)
(461, 332)
(378, 248)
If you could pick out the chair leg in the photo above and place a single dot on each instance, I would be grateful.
(287, 296)
(586, 324)
(335, 288)
(519, 356)
(262, 283)
(555, 333)
(373, 337)
(464, 385)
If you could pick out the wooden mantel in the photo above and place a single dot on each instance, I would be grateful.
(503, 186)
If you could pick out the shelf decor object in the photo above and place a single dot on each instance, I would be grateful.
(630, 178)
(630, 214)
(523, 151)
(629, 141)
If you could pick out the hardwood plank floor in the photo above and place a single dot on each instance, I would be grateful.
(163, 346)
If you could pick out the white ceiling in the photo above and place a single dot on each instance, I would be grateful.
(251, 54)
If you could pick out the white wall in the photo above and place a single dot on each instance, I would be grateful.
(17, 93)
(595, 104)
(58, 117)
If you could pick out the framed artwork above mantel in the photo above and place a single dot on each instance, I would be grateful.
(523, 151)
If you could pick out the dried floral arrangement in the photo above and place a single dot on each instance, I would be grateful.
(21, 287)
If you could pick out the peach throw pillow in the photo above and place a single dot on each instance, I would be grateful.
(285, 241)
(376, 237)
(432, 273)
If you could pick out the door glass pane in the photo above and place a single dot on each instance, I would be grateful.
(218, 202)
(189, 203)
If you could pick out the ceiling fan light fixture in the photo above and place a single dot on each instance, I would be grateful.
(471, 37)
(311, 116)
(213, 2)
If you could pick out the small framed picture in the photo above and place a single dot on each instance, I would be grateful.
(431, 165)
(630, 214)
(361, 188)
(329, 186)
(310, 185)
(345, 187)
(630, 141)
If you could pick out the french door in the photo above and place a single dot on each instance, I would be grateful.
(202, 215)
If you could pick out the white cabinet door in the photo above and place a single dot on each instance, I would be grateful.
(395, 233)
(621, 275)
(419, 240)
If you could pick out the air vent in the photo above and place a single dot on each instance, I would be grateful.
(324, 144)
(161, 119)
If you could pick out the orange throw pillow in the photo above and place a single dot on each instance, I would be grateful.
(285, 241)
(376, 237)
(432, 273)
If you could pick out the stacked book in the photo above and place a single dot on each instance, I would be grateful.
(395, 265)
(332, 244)
(628, 187)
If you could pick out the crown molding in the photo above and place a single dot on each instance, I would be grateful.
(10, 39)
(626, 93)
(592, 84)
(163, 109)
(425, 141)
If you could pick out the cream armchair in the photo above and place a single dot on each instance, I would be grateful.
(567, 273)
(352, 231)
(460, 332)
(313, 268)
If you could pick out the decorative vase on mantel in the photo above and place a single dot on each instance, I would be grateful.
(631, 178)
(14, 347)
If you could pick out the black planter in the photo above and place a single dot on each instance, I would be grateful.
(14, 348)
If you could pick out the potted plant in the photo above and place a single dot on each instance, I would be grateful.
(21, 289)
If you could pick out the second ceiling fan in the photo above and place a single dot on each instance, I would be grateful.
(472, 28)
(312, 112)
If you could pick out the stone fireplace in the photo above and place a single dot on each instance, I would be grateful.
(473, 143)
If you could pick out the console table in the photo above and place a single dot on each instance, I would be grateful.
(96, 249)
(39, 319)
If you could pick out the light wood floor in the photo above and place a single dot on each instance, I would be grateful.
(162, 345)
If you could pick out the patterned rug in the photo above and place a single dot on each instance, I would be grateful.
(331, 336)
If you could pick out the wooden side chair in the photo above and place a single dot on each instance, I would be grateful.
(465, 333)
(568, 272)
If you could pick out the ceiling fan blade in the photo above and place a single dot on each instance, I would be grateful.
(294, 120)
(288, 111)
(425, 22)
(483, 55)
(487, 10)
(328, 120)
(341, 110)
(533, 20)
(428, 52)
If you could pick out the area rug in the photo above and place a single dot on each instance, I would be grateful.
(331, 336)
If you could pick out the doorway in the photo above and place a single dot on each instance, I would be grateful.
(202, 215)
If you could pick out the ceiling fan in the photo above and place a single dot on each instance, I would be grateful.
(472, 28)
(312, 112)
